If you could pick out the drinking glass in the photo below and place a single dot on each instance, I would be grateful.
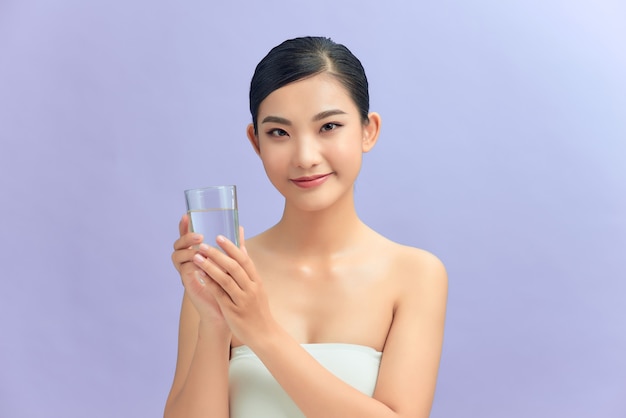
(213, 211)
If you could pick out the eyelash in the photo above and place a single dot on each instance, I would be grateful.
(277, 132)
(327, 127)
(333, 124)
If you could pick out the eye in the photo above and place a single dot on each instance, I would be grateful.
(277, 132)
(330, 126)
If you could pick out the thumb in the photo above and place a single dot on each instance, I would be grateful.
(183, 225)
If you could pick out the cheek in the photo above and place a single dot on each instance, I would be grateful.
(273, 162)
(348, 154)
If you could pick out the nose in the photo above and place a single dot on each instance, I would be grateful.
(306, 153)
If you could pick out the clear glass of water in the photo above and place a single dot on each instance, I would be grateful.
(213, 211)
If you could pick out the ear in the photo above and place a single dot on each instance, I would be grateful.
(371, 132)
(253, 138)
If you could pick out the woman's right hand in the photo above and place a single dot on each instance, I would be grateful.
(193, 278)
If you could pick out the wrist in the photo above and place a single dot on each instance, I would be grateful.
(269, 339)
(214, 331)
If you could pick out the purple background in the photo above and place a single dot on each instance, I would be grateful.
(503, 151)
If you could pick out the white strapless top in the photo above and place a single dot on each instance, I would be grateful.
(254, 393)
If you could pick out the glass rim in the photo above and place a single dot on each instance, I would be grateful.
(199, 189)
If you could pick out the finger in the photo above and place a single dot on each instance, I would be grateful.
(240, 255)
(188, 240)
(218, 262)
(198, 283)
(218, 275)
(201, 277)
(227, 262)
(242, 240)
(189, 271)
(183, 225)
(182, 256)
(227, 245)
(220, 295)
(194, 283)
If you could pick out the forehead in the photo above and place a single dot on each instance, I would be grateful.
(308, 96)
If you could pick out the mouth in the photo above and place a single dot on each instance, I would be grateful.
(311, 181)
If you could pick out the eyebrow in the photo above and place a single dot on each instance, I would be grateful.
(276, 119)
(327, 113)
(322, 115)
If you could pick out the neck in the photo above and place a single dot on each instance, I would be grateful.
(319, 233)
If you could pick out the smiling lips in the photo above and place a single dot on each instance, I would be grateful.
(308, 182)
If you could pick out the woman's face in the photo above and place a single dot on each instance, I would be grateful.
(311, 140)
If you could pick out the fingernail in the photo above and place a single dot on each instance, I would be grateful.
(221, 238)
(199, 277)
(198, 258)
(203, 247)
(197, 237)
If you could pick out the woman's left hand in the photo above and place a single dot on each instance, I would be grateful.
(237, 288)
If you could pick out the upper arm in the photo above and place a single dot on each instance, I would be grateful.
(408, 371)
(187, 338)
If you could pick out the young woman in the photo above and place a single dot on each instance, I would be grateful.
(318, 316)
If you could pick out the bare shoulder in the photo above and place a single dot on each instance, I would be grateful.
(423, 279)
(413, 267)
(420, 265)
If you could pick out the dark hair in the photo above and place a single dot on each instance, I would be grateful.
(300, 58)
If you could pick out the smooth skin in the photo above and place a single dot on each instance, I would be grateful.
(320, 275)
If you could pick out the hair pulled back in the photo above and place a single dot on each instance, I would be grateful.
(299, 58)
